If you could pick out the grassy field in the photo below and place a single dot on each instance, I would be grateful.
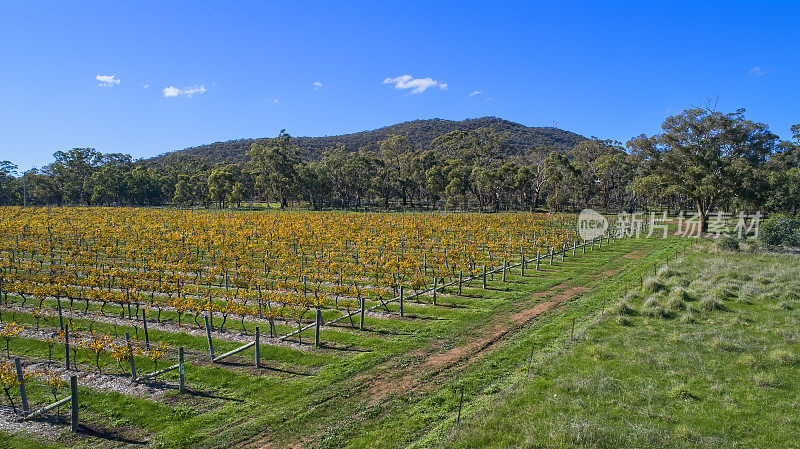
(706, 355)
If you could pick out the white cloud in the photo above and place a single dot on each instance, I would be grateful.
(757, 71)
(489, 98)
(145, 86)
(172, 91)
(475, 92)
(417, 85)
(317, 85)
(107, 80)
(272, 100)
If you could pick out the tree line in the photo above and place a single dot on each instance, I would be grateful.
(702, 160)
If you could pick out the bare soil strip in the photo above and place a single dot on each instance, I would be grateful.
(471, 350)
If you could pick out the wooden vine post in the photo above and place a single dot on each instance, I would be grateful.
(60, 315)
(317, 325)
(258, 347)
(21, 379)
(130, 356)
(146, 335)
(181, 373)
(210, 343)
(361, 322)
(73, 388)
(66, 344)
(402, 291)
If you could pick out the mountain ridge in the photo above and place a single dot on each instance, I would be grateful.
(420, 133)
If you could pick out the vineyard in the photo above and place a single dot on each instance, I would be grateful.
(102, 293)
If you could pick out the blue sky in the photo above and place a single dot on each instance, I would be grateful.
(179, 74)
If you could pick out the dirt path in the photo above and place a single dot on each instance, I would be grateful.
(473, 349)
(635, 254)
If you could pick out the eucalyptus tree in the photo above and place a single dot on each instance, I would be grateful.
(705, 156)
(273, 161)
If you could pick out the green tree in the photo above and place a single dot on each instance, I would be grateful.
(107, 183)
(273, 161)
(8, 183)
(220, 184)
(394, 171)
(184, 192)
(562, 180)
(71, 171)
(238, 193)
(597, 160)
(145, 186)
(704, 156)
(784, 191)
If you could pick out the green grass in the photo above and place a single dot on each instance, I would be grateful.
(717, 367)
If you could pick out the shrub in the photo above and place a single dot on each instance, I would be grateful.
(790, 295)
(728, 243)
(680, 293)
(722, 293)
(749, 292)
(666, 272)
(652, 285)
(657, 312)
(676, 282)
(651, 302)
(676, 303)
(779, 231)
(711, 304)
(653, 309)
(623, 308)
(624, 320)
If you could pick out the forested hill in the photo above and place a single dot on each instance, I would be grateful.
(419, 132)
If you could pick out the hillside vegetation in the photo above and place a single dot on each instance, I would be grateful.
(420, 134)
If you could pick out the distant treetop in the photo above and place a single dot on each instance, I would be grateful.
(419, 133)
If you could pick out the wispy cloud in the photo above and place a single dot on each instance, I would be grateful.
(417, 85)
(757, 71)
(172, 91)
(275, 100)
(475, 92)
(317, 85)
(145, 86)
(107, 80)
(489, 98)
